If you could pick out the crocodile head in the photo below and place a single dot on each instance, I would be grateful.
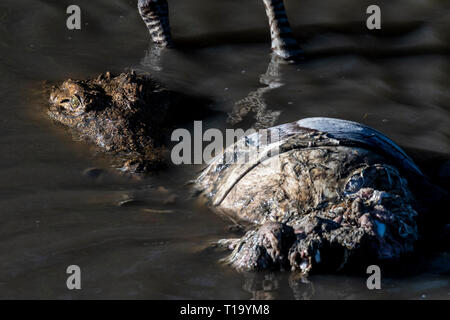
(73, 98)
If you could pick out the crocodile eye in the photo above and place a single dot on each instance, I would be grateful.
(75, 102)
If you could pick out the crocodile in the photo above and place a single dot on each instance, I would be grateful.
(127, 116)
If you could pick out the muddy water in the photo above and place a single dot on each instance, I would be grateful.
(54, 213)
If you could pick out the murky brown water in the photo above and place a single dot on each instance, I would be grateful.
(53, 215)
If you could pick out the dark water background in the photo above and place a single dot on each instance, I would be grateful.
(52, 215)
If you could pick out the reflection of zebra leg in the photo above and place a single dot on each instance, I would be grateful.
(272, 77)
(152, 58)
(254, 105)
(155, 14)
(302, 288)
(262, 286)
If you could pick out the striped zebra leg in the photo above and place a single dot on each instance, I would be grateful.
(283, 41)
(155, 14)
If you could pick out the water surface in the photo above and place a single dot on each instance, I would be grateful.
(53, 215)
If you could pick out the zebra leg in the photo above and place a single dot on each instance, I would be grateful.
(283, 41)
(155, 14)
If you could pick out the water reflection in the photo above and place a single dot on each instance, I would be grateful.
(152, 59)
(251, 111)
(269, 285)
(254, 106)
(262, 286)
